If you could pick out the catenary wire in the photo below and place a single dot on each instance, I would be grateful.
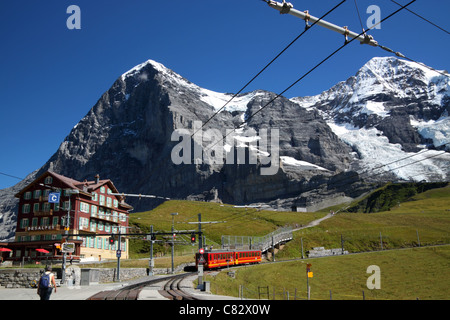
(217, 112)
(267, 65)
(359, 16)
(308, 72)
(421, 17)
(249, 82)
(11, 176)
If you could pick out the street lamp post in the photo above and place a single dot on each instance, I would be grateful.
(66, 233)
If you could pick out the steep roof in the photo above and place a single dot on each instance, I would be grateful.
(85, 186)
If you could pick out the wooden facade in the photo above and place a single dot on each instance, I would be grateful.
(95, 212)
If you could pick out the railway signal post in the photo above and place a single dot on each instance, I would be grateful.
(200, 262)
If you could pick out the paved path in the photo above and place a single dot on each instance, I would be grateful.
(315, 222)
(84, 292)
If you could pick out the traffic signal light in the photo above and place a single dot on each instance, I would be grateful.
(111, 240)
(193, 238)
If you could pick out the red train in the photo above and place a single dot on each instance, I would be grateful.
(218, 259)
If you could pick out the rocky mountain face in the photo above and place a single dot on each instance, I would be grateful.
(325, 142)
(391, 109)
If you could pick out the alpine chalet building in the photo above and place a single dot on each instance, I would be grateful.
(95, 212)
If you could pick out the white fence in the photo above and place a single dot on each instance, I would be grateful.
(257, 243)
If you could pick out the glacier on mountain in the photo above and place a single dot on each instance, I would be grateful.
(384, 91)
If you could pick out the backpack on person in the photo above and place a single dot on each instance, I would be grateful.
(45, 281)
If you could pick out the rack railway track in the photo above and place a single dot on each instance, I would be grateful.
(171, 290)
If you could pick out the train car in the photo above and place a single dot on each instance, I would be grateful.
(219, 259)
(248, 256)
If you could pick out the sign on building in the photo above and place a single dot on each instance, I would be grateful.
(53, 197)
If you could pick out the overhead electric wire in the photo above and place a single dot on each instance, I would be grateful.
(427, 20)
(267, 65)
(359, 16)
(302, 77)
(257, 75)
(309, 71)
(401, 55)
(320, 63)
(315, 67)
(342, 181)
(11, 176)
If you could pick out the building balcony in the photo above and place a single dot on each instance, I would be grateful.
(105, 217)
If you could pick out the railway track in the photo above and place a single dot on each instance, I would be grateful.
(174, 291)
(171, 290)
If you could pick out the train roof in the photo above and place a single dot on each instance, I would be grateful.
(228, 251)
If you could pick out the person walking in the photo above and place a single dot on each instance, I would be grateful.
(46, 284)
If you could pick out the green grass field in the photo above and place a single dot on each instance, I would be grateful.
(410, 273)
(233, 221)
(405, 274)
(424, 218)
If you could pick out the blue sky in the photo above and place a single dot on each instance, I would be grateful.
(51, 76)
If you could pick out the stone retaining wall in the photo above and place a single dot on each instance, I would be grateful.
(322, 252)
(18, 278)
(22, 278)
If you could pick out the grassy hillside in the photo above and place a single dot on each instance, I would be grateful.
(233, 221)
(426, 215)
(405, 275)
(415, 272)
(390, 195)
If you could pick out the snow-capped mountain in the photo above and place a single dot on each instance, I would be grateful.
(391, 111)
(395, 115)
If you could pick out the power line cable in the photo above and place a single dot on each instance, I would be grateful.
(357, 174)
(258, 74)
(427, 20)
(308, 72)
(359, 16)
(401, 55)
(267, 65)
(324, 60)
(11, 176)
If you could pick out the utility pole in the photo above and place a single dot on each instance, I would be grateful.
(151, 262)
(118, 254)
(66, 234)
(173, 235)
(200, 250)
(301, 240)
(200, 238)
